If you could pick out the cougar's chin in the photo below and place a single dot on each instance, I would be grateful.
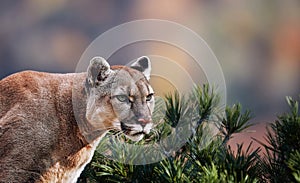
(136, 137)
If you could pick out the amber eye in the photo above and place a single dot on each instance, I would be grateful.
(149, 97)
(122, 98)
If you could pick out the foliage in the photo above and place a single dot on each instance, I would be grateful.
(204, 155)
(243, 166)
(280, 163)
(234, 122)
(294, 165)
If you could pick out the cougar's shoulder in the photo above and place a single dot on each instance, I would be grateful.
(31, 87)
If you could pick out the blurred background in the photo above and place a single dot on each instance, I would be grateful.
(256, 42)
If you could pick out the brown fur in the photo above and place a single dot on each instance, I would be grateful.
(34, 107)
(44, 135)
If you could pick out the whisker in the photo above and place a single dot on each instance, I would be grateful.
(155, 134)
(118, 135)
(160, 122)
(103, 129)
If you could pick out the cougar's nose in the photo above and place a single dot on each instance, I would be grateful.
(144, 121)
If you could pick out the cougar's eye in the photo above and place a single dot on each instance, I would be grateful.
(122, 98)
(149, 97)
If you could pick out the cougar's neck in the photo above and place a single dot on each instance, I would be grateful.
(73, 101)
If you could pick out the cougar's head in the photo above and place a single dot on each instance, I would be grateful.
(120, 97)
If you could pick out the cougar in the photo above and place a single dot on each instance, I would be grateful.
(51, 124)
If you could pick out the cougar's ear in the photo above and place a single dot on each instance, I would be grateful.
(143, 64)
(98, 70)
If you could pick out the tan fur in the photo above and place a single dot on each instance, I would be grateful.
(43, 138)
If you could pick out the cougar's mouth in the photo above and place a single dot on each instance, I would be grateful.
(128, 129)
(135, 132)
(139, 133)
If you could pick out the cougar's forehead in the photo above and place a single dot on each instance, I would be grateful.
(131, 82)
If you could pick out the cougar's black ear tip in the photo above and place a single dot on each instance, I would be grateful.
(144, 61)
(143, 64)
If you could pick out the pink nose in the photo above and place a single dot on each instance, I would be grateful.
(144, 121)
